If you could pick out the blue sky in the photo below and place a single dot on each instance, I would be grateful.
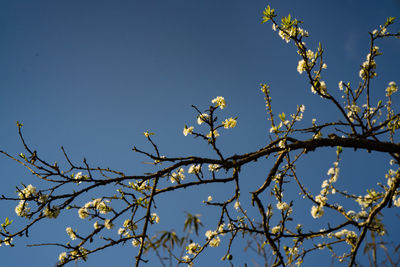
(94, 75)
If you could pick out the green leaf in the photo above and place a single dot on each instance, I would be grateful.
(268, 14)
(282, 116)
(6, 223)
(339, 150)
(389, 21)
(286, 21)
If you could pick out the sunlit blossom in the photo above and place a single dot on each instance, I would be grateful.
(202, 118)
(155, 218)
(219, 101)
(213, 167)
(188, 130)
(229, 123)
(317, 211)
(193, 169)
(71, 233)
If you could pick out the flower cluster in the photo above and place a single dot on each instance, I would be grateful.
(219, 101)
(193, 169)
(213, 237)
(319, 86)
(392, 176)
(368, 67)
(318, 210)
(154, 218)
(203, 118)
(350, 236)
(283, 206)
(275, 229)
(136, 242)
(71, 233)
(187, 130)
(81, 253)
(210, 135)
(27, 192)
(368, 199)
(139, 186)
(97, 205)
(303, 65)
(391, 89)
(51, 212)
(108, 224)
(213, 167)
(353, 110)
(62, 257)
(229, 123)
(79, 177)
(22, 209)
(193, 248)
(128, 226)
(178, 176)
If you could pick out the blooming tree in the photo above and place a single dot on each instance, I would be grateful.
(128, 215)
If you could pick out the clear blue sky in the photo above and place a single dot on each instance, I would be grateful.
(94, 75)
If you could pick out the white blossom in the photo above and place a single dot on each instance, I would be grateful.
(188, 130)
(71, 233)
(219, 101)
(202, 118)
(317, 211)
(155, 218)
(194, 169)
(213, 167)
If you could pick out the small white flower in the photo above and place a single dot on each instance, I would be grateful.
(213, 167)
(275, 229)
(215, 242)
(396, 202)
(202, 118)
(62, 257)
(135, 242)
(331, 171)
(219, 101)
(193, 169)
(229, 123)
(301, 66)
(391, 89)
(281, 144)
(155, 218)
(215, 133)
(192, 248)
(317, 211)
(341, 85)
(96, 225)
(108, 224)
(237, 205)
(282, 206)
(188, 130)
(71, 233)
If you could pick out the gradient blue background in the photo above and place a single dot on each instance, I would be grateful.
(94, 75)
